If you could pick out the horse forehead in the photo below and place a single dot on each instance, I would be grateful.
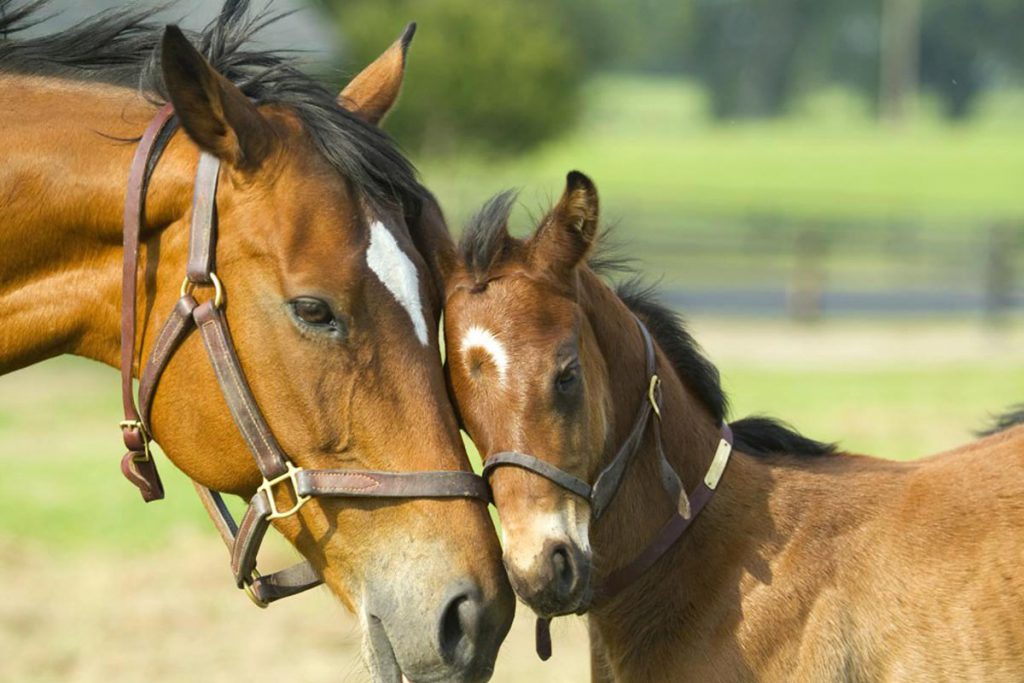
(398, 274)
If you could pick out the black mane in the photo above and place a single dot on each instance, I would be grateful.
(121, 47)
(757, 435)
(1008, 420)
(485, 240)
(667, 328)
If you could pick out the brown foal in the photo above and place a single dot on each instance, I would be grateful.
(805, 564)
(332, 306)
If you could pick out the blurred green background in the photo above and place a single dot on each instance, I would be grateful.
(828, 189)
(808, 158)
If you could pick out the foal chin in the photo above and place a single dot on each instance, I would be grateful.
(545, 534)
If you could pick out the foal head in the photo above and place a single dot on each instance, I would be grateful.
(527, 375)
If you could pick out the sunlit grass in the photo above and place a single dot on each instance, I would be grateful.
(893, 413)
(652, 153)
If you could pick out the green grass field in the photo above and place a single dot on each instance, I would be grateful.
(657, 161)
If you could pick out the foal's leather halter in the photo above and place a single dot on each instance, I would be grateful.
(242, 539)
(607, 483)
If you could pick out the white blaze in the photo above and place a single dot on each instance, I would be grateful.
(398, 274)
(480, 338)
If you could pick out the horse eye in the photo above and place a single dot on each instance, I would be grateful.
(568, 377)
(313, 312)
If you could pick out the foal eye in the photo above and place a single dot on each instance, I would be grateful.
(568, 377)
(314, 312)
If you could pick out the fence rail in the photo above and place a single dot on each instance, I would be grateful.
(809, 271)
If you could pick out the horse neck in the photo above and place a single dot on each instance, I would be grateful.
(646, 614)
(68, 148)
(689, 433)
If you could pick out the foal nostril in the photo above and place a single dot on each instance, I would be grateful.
(564, 571)
(457, 631)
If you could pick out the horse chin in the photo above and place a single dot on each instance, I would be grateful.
(379, 654)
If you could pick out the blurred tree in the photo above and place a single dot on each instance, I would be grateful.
(492, 77)
(899, 58)
(966, 46)
(754, 56)
(641, 35)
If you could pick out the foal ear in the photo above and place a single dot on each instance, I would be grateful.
(372, 93)
(569, 231)
(213, 111)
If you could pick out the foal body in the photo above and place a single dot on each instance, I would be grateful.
(804, 566)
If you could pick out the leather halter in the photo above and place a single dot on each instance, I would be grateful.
(608, 481)
(243, 538)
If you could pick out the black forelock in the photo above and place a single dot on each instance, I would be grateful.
(486, 234)
(121, 47)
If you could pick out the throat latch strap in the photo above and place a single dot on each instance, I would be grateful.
(137, 464)
(615, 582)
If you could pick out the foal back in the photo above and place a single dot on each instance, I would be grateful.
(907, 571)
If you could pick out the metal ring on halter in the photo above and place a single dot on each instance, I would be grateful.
(218, 289)
(252, 594)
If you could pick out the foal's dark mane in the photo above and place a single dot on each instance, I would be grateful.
(121, 47)
(1008, 420)
(486, 239)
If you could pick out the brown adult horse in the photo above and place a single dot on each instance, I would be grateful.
(321, 227)
(805, 564)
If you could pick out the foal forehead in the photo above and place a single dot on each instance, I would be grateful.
(399, 275)
(515, 309)
(509, 324)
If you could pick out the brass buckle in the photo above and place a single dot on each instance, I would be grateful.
(652, 397)
(252, 594)
(137, 425)
(187, 286)
(268, 487)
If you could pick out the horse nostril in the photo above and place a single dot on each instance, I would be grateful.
(460, 621)
(564, 570)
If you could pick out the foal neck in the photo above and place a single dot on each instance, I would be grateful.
(68, 147)
(645, 617)
(690, 433)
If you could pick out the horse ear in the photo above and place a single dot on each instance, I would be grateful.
(212, 110)
(569, 231)
(372, 93)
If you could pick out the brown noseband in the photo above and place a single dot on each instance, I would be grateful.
(607, 484)
(242, 539)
